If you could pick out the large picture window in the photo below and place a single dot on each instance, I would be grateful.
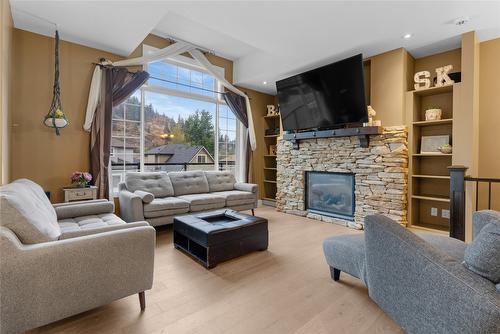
(177, 121)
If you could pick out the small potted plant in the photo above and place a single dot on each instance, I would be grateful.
(81, 179)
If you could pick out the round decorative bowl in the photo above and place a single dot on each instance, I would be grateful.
(433, 114)
(60, 122)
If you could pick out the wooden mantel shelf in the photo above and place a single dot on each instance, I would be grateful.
(363, 133)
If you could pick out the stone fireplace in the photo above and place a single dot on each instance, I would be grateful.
(376, 174)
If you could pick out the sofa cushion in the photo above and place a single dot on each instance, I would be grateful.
(26, 210)
(185, 183)
(157, 183)
(220, 180)
(88, 222)
(203, 199)
(237, 197)
(165, 213)
(167, 203)
(482, 255)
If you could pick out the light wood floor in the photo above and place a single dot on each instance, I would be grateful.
(286, 289)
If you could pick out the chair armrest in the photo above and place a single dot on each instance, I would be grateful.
(250, 187)
(482, 218)
(423, 288)
(45, 282)
(81, 233)
(83, 208)
(131, 207)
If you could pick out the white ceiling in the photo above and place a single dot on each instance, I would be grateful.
(269, 40)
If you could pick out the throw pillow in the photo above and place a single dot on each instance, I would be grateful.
(145, 196)
(482, 256)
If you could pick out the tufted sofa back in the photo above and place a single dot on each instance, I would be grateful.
(191, 182)
(156, 183)
(220, 180)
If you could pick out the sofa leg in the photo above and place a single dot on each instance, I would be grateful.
(335, 273)
(142, 300)
(253, 213)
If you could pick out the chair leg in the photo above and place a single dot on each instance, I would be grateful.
(335, 273)
(253, 213)
(142, 300)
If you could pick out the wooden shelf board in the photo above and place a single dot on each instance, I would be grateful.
(443, 177)
(269, 199)
(431, 198)
(433, 90)
(271, 136)
(431, 155)
(430, 123)
(269, 156)
(271, 117)
(271, 168)
(431, 228)
(270, 181)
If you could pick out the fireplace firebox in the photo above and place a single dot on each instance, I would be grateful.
(330, 194)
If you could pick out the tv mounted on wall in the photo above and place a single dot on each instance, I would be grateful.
(324, 98)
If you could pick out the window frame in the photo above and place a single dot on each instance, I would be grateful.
(217, 99)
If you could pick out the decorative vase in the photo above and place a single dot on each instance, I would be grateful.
(433, 114)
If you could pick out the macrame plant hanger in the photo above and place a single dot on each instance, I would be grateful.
(56, 118)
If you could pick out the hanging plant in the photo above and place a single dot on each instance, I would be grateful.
(56, 118)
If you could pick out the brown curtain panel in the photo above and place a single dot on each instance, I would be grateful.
(238, 106)
(118, 84)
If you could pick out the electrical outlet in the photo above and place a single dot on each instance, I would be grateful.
(434, 212)
(445, 214)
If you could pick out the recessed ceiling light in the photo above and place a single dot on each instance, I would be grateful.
(461, 20)
(264, 82)
(406, 36)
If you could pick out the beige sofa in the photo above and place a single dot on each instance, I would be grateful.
(160, 196)
(57, 261)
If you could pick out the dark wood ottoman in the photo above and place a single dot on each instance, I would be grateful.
(217, 236)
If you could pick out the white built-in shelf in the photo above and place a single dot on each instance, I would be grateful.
(443, 177)
(434, 198)
(432, 155)
(436, 122)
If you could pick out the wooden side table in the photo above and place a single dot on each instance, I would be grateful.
(80, 194)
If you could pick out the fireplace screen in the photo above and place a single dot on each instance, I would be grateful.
(330, 194)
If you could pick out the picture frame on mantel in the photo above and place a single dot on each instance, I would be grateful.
(431, 144)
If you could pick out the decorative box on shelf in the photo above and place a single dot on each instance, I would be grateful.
(79, 194)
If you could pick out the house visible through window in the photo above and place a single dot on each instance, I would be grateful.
(177, 121)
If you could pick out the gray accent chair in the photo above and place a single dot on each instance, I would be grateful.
(60, 260)
(418, 279)
(157, 197)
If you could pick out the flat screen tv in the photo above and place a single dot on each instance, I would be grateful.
(327, 97)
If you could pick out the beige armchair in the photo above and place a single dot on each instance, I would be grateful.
(59, 261)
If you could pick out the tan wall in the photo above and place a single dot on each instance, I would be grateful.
(37, 153)
(6, 31)
(430, 63)
(388, 83)
(489, 117)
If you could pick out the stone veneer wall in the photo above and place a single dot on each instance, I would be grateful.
(381, 173)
